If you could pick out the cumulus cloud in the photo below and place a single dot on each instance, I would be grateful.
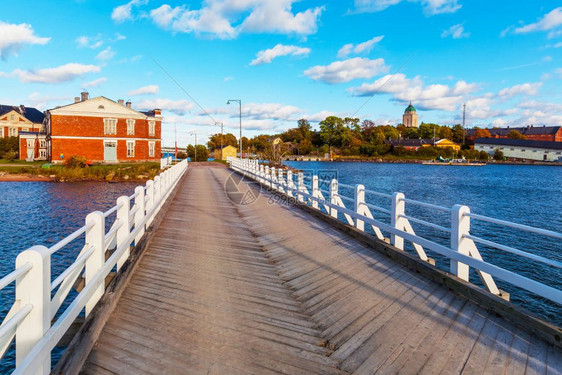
(549, 21)
(360, 48)
(179, 107)
(521, 89)
(540, 113)
(106, 54)
(227, 18)
(89, 42)
(124, 12)
(14, 37)
(430, 7)
(347, 70)
(270, 111)
(96, 82)
(403, 89)
(267, 55)
(455, 32)
(63, 73)
(40, 101)
(146, 90)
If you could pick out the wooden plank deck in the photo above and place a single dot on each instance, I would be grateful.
(262, 288)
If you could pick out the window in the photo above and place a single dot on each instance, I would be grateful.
(109, 126)
(130, 127)
(43, 154)
(12, 132)
(130, 149)
(151, 125)
(151, 148)
(42, 143)
(12, 117)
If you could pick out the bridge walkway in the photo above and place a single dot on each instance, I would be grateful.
(263, 288)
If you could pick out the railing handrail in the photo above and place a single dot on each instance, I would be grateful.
(462, 252)
(33, 302)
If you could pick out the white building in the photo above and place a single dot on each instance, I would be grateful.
(520, 148)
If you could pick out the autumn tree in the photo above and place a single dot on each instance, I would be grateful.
(514, 134)
(482, 133)
(228, 139)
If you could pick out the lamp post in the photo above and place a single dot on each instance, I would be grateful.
(240, 107)
(195, 134)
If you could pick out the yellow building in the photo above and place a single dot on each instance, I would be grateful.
(443, 143)
(226, 151)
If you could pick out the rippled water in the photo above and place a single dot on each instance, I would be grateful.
(520, 193)
(42, 213)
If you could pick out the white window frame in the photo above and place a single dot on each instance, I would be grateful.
(130, 126)
(151, 148)
(131, 153)
(42, 154)
(12, 132)
(110, 126)
(151, 128)
(42, 143)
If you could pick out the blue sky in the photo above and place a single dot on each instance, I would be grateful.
(289, 59)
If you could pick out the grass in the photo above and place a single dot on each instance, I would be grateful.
(100, 172)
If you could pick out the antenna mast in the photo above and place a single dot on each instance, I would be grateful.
(463, 123)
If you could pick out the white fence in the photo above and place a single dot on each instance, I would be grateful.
(38, 299)
(462, 250)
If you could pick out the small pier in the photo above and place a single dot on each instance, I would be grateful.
(232, 280)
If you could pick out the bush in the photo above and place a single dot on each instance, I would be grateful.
(10, 155)
(76, 161)
(498, 154)
(483, 155)
(181, 155)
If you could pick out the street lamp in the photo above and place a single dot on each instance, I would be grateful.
(240, 107)
(195, 134)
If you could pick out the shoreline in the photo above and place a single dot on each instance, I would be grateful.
(40, 178)
(421, 161)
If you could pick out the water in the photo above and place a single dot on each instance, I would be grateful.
(43, 213)
(524, 194)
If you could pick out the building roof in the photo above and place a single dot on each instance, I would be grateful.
(525, 130)
(410, 108)
(32, 114)
(519, 143)
(411, 142)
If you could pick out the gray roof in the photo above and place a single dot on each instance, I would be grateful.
(32, 114)
(525, 130)
(518, 143)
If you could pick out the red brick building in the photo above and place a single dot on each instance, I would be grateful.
(533, 133)
(102, 130)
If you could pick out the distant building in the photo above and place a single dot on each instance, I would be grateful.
(533, 133)
(102, 130)
(15, 119)
(416, 144)
(521, 148)
(226, 151)
(410, 117)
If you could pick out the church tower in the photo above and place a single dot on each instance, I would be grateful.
(410, 117)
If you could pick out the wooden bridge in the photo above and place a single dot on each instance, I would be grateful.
(231, 280)
(263, 288)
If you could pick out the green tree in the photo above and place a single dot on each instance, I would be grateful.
(227, 140)
(202, 153)
(190, 152)
(446, 132)
(458, 133)
(498, 154)
(514, 134)
(305, 147)
(330, 131)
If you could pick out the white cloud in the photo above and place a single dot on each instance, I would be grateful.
(119, 36)
(455, 32)
(430, 7)
(558, 45)
(270, 111)
(347, 70)
(267, 55)
(403, 89)
(40, 101)
(124, 12)
(14, 37)
(106, 54)
(179, 107)
(227, 18)
(146, 90)
(59, 74)
(549, 21)
(364, 47)
(96, 82)
(89, 42)
(521, 89)
(228, 79)
(540, 113)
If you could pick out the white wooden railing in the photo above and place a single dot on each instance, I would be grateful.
(38, 299)
(461, 251)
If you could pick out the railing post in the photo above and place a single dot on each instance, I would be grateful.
(123, 231)
(359, 202)
(397, 210)
(267, 177)
(300, 186)
(34, 288)
(280, 180)
(315, 191)
(139, 215)
(273, 179)
(157, 194)
(95, 236)
(290, 184)
(460, 225)
(333, 197)
(149, 202)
